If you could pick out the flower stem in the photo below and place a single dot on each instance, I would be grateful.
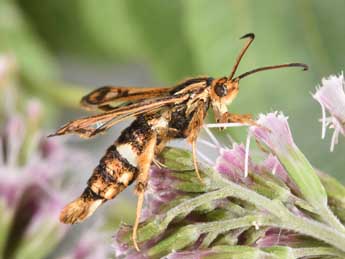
(288, 220)
(226, 225)
(314, 229)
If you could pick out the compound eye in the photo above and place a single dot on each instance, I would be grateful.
(221, 90)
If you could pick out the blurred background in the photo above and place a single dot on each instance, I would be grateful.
(60, 50)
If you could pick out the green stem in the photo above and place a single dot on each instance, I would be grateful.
(226, 225)
(288, 220)
(329, 218)
(314, 229)
(309, 184)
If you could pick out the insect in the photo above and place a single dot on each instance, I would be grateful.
(160, 114)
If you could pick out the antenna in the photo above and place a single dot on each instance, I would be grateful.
(304, 66)
(251, 37)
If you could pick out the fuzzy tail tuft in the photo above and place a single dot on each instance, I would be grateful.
(78, 210)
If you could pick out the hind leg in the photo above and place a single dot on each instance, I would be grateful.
(144, 162)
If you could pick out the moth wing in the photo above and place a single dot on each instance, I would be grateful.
(90, 126)
(103, 96)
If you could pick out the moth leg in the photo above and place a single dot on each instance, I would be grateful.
(193, 131)
(166, 135)
(195, 161)
(238, 118)
(242, 118)
(144, 162)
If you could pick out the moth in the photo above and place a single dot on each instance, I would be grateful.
(160, 114)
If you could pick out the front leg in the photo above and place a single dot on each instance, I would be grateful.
(238, 118)
(144, 162)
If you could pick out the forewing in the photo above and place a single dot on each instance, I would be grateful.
(102, 97)
(90, 126)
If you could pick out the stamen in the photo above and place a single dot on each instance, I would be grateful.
(334, 139)
(231, 140)
(323, 132)
(279, 235)
(274, 169)
(205, 158)
(246, 155)
(212, 137)
(207, 143)
(226, 125)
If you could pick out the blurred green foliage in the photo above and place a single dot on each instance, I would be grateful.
(179, 39)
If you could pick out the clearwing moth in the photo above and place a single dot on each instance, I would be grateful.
(160, 114)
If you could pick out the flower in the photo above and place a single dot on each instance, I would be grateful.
(274, 133)
(37, 178)
(331, 96)
(29, 185)
(231, 163)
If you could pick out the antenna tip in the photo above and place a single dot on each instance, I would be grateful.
(304, 66)
(248, 35)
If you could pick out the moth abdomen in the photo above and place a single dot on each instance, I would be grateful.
(112, 175)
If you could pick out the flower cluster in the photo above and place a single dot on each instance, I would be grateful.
(33, 182)
(280, 210)
(33, 190)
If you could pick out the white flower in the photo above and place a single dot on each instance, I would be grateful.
(331, 96)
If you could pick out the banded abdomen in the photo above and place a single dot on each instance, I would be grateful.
(117, 169)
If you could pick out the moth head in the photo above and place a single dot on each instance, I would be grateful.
(224, 90)
(222, 93)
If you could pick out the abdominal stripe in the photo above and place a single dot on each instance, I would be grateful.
(113, 174)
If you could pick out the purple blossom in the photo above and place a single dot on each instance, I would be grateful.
(33, 189)
(91, 245)
(274, 132)
(231, 163)
(277, 237)
(331, 96)
(161, 190)
(272, 164)
(27, 190)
